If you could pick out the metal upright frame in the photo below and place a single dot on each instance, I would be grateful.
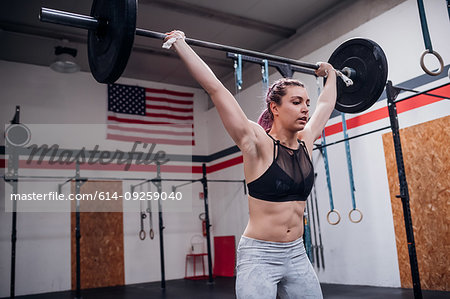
(392, 93)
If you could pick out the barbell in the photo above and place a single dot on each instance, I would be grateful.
(112, 26)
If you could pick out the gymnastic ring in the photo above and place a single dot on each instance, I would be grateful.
(142, 234)
(337, 213)
(350, 215)
(151, 234)
(424, 68)
(202, 216)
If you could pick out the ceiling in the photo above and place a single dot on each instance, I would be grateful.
(250, 24)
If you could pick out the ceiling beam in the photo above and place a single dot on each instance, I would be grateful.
(196, 10)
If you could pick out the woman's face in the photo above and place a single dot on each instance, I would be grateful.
(293, 113)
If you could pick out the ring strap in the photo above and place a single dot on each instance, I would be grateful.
(238, 71)
(327, 170)
(265, 74)
(423, 23)
(349, 160)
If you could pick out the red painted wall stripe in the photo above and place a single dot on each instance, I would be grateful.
(225, 164)
(381, 113)
(45, 165)
(410, 104)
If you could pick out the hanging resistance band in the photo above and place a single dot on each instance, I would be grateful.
(448, 8)
(265, 75)
(427, 41)
(350, 173)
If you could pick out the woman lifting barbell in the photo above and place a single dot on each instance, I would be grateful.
(277, 164)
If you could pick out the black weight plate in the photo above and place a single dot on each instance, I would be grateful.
(109, 46)
(369, 61)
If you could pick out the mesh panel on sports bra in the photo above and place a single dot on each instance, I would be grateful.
(289, 178)
(294, 163)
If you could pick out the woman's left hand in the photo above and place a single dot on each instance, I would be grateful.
(324, 69)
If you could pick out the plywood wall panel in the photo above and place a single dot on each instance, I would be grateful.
(426, 155)
(101, 244)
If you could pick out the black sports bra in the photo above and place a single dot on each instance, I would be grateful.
(290, 177)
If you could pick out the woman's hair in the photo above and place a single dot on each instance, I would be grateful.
(274, 94)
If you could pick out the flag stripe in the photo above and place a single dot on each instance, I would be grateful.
(173, 101)
(165, 132)
(159, 96)
(170, 116)
(168, 112)
(171, 127)
(170, 92)
(148, 106)
(170, 105)
(150, 140)
(139, 135)
(139, 121)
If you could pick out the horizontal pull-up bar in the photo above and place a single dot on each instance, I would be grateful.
(319, 146)
(417, 93)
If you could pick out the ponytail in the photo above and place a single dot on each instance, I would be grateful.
(266, 120)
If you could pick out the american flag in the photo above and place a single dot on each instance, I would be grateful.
(150, 115)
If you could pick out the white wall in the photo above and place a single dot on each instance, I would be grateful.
(364, 253)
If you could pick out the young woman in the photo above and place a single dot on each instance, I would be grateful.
(276, 151)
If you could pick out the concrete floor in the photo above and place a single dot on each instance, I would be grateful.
(223, 288)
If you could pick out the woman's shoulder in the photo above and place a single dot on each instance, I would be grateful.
(307, 138)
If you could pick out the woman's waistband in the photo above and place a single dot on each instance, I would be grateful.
(251, 241)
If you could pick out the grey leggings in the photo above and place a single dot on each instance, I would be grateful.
(265, 267)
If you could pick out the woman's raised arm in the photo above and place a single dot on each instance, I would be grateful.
(241, 130)
(324, 107)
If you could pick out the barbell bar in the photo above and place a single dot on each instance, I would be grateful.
(90, 23)
(112, 26)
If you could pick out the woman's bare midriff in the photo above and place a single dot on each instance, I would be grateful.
(275, 221)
